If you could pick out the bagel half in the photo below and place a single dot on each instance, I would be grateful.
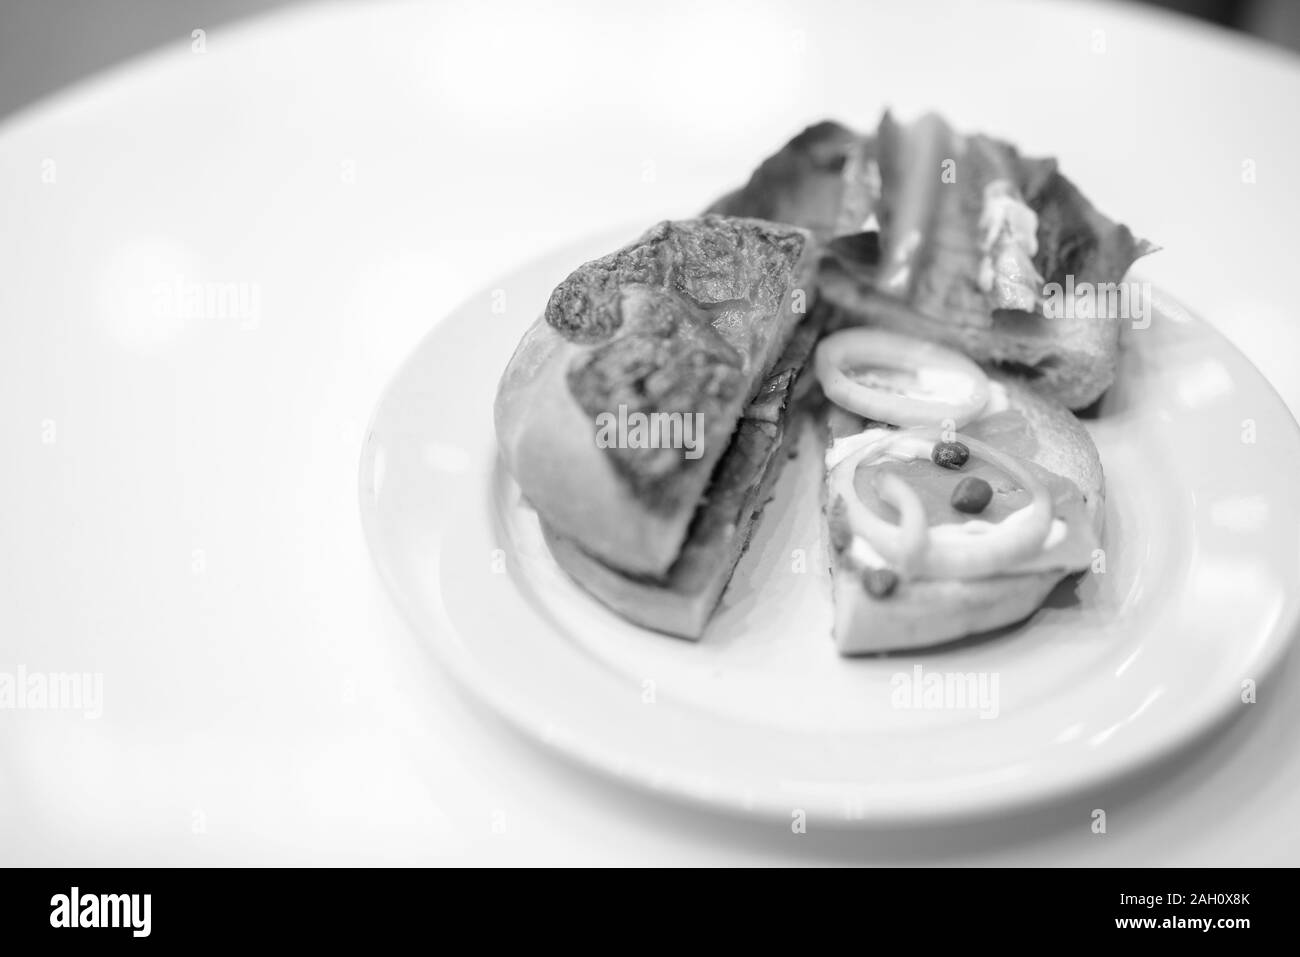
(921, 612)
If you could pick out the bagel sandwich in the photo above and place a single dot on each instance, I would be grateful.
(646, 412)
(945, 516)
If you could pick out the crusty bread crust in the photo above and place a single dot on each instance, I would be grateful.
(922, 613)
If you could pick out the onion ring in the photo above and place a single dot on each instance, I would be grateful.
(901, 545)
(893, 350)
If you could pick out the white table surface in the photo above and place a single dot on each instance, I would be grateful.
(179, 506)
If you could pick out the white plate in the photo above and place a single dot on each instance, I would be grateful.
(762, 716)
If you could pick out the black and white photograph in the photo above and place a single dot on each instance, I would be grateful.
(709, 434)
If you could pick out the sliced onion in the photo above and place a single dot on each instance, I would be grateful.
(901, 545)
(943, 552)
(883, 349)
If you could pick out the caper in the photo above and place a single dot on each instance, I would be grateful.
(879, 582)
(972, 495)
(950, 455)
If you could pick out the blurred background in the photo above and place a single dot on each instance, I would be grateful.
(48, 44)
